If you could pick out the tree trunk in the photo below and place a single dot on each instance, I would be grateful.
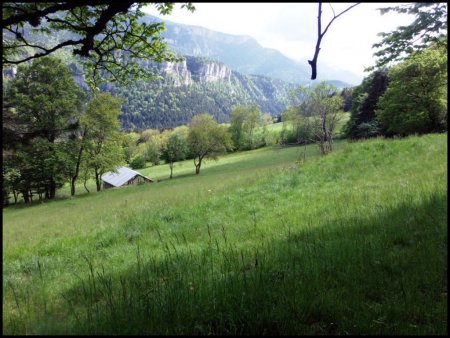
(171, 169)
(77, 168)
(52, 189)
(326, 136)
(26, 198)
(198, 165)
(85, 180)
(72, 185)
(15, 196)
(5, 197)
(330, 141)
(322, 148)
(97, 180)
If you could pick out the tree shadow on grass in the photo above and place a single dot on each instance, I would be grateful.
(381, 275)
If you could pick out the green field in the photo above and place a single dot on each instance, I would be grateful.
(260, 242)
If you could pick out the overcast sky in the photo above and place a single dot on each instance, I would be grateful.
(291, 28)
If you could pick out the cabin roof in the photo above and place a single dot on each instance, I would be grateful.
(122, 176)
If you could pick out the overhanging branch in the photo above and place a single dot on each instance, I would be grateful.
(34, 17)
(320, 35)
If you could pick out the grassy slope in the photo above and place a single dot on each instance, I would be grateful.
(63, 218)
(354, 242)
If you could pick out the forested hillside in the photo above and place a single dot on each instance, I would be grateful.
(194, 86)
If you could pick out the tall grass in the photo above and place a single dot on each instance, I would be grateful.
(351, 243)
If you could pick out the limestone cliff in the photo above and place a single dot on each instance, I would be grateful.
(194, 69)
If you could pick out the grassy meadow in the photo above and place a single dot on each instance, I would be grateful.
(260, 242)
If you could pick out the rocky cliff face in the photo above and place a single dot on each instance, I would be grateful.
(179, 71)
(196, 70)
(209, 71)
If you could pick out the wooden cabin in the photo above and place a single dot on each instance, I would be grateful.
(123, 177)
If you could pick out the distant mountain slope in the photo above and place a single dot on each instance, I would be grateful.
(244, 54)
(194, 86)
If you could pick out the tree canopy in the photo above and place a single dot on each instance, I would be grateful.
(103, 142)
(175, 149)
(362, 122)
(45, 97)
(416, 98)
(429, 27)
(100, 32)
(46, 104)
(206, 138)
(244, 121)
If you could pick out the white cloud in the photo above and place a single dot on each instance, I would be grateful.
(291, 28)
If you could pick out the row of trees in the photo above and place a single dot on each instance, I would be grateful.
(408, 98)
(202, 138)
(55, 133)
(247, 130)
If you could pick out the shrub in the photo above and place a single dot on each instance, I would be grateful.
(138, 162)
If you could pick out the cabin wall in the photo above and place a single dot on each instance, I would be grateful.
(107, 185)
(133, 181)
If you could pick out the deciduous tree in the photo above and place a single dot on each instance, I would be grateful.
(429, 27)
(207, 139)
(47, 104)
(244, 122)
(175, 149)
(103, 146)
(319, 114)
(416, 98)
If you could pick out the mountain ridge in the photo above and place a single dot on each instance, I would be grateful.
(243, 53)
